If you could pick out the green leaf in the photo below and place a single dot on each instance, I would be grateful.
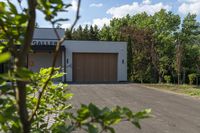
(21, 18)
(70, 129)
(57, 75)
(16, 126)
(113, 118)
(13, 8)
(143, 114)
(127, 112)
(56, 1)
(94, 110)
(112, 130)
(43, 125)
(92, 128)
(68, 96)
(1, 101)
(4, 57)
(83, 113)
(9, 77)
(136, 123)
(140, 115)
(2, 7)
(24, 73)
(2, 119)
(1, 48)
(9, 110)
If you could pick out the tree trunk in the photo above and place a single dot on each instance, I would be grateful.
(179, 54)
(184, 77)
(160, 80)
(22, 109)
(179, 77)
(21, 85)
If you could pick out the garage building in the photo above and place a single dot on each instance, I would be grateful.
(83, 61)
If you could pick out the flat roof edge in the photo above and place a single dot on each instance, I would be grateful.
(79, 40)
(95, 41)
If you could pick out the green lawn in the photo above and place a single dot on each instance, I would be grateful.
(184, 89)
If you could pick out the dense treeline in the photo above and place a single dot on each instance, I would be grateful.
(86, 33)
(161, 47)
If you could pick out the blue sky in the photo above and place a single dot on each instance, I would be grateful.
(101, 11)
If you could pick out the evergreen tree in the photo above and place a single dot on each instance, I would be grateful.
(130, 59)
(85, 33)
(68, 33)
(91, 33)
(79, 33)
(96, 32)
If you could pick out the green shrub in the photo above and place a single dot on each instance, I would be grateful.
(167, 78)
(192, 78)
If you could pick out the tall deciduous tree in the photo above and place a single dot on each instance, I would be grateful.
(186, 38)
(105, 33)
(162, 26)
(140, 61)
(170, 45)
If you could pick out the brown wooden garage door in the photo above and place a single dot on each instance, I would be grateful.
(94, 67)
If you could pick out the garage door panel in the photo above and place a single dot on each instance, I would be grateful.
(93, 67)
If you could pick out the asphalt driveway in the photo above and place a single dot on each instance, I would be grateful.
(172, 113)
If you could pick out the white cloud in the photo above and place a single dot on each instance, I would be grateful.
(136, 7)
(146, 2)
(189, 6)
(96, 5)
(86, 23)
(189, 1)
(74, 5)
(101, 21)
(66, 25)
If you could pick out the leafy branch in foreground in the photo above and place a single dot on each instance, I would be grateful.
(94, 120)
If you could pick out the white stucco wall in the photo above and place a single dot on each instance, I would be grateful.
(46, 36)
(97, 47)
